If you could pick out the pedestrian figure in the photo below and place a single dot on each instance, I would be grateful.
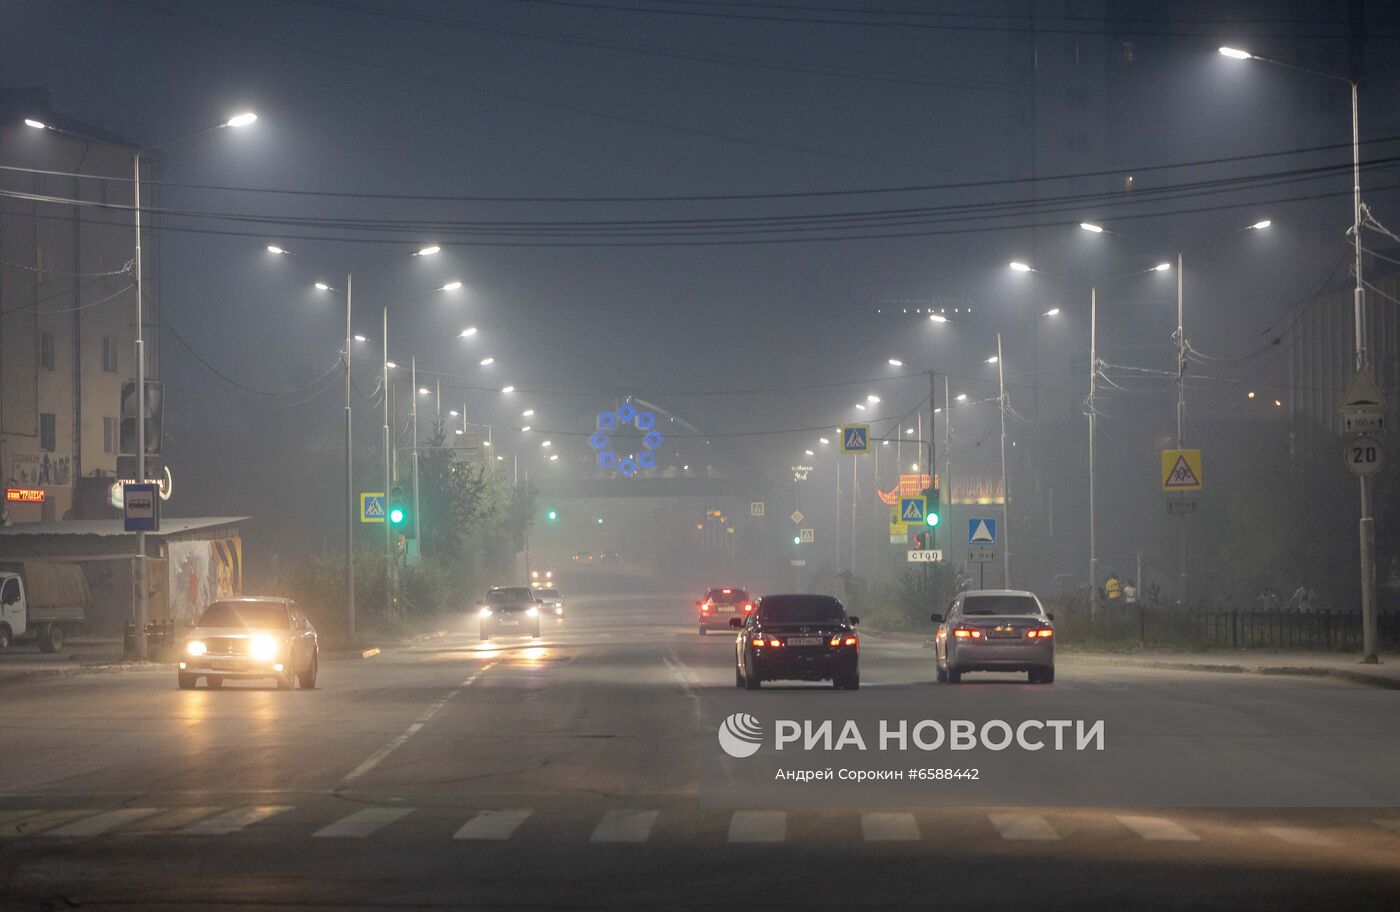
(1267, 600)
(1302, 598)
(1130, 593)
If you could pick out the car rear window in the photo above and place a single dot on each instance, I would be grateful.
(987, 605)
(801, 608)
(727, 595)
(264, 615)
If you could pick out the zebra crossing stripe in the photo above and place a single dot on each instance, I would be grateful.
(362, 823)
(493, 825)
(1300, 836)
(758, 826)
(234, 820)
(98, 824)
(1157, 829)
(625, 826)
(889, 827)
(38, 822)
(1023, 826)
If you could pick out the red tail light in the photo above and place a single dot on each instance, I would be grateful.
(1039, 632)
(748, 606)
(966, 633)
(704, 609)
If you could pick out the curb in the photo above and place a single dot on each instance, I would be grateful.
(67, 671)
(367, 653)
(1303, 671)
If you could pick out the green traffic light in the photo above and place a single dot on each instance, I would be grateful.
(797, 540)
(396, 516)
(552, 515)
(931, 519)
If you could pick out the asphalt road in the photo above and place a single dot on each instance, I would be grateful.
(562, 773)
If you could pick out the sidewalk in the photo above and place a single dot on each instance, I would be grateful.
(78, 656)
(1343, 666)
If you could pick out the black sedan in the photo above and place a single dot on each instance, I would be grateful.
(797, 638)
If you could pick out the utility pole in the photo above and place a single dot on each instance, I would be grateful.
(1180, 420)
(388, 481)
(1005, 486)
(933, 530)
(1369, 633)
(350, 505)
(143, 606)
(1091, 406)
(413, 369)
(948, 459)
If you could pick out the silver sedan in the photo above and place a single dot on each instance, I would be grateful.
(995, 630)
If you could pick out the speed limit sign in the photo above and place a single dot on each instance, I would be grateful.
(1364, 456)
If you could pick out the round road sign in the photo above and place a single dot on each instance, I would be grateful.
(1364, 455)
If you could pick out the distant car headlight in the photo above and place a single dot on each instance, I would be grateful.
(264, 649)
(532, 612)
(558, 609)
(485, 612)
(196, 648)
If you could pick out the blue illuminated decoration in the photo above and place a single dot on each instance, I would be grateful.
(625, 414)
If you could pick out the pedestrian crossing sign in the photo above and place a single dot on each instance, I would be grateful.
(1181, 470)
(372, 507)
(911, 510)
(981, 531)
(855, 438)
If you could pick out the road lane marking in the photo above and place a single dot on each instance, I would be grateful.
(758, 826)
(625, 826)
(169, 819)
(362, 823)
(896, 826)
(1300, 836)
(493, 825)
(1157, 829)
(37, 822)
(234, 820)
(101, 823)
(1022, 826)
(378, 756)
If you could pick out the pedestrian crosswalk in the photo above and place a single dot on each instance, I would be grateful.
(634, 825)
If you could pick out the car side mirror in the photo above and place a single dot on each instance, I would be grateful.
(936, 618)
(736, 622)
(1050, 615)
(855, 621)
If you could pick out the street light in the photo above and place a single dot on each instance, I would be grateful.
(527, 413)
(961, 397)
(1261, 225)
(1054, 311)
(872, 398)
(241, 120)
(273, 248)
(487, 362)
(1236, 53)
(36, 124)
(451, 286)
(507, 389)
(938, 318)
(430, 250)
(466, 333)
(895, 362)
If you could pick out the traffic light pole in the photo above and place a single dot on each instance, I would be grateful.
(349, 479)
(388, 457)
(143, 606)
(413, 362)
(1005, 486)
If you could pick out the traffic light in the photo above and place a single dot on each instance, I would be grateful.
(552, 515)
(398, 512)
(931, 517)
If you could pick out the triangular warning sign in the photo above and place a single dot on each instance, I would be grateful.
(982, 534)
(855, 439)
(1362, 393)
(1181, 475)
(912, 511)
(374, 507)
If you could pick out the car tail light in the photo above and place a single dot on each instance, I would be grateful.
(836, 641)
(773, 642)
(850, 641)
(704, 608)
(966, 633)
(748, 606)
(1039, 632)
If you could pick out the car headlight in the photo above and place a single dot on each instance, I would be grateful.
(532, 612)
(196, 648)
(485, 612)
(264, 649)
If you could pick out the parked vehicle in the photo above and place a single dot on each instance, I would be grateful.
(41, 602)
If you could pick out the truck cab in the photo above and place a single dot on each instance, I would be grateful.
(41, 602)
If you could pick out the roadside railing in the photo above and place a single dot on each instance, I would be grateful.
(1205, 628)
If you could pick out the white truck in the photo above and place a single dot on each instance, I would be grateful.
(41, 602)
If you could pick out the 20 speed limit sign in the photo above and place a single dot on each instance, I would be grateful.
(1364, 455)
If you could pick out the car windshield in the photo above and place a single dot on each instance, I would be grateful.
(547, 593)
(727, 595)
(989, 605)
(800, 609)
(512, 596)
(261, 615)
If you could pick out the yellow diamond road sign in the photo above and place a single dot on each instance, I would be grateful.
(1181, 470)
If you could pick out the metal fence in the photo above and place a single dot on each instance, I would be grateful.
(1206, 628)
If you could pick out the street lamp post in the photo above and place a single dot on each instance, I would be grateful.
(142, 583)
(1367, 524)
(1005, 487)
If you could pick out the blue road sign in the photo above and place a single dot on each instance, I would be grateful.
(911, 510)
(141, 507)
(981, 531)
(598, 440)
(855, 438)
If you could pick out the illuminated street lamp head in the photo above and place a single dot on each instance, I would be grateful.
(1018, 266)
(1236, 53)
(525, 428)
(469, 331)
(452, 413)
(1091, 227)
(895, 362)
(824, 441)
(322, 286)
(241, 120)
(553, 457)
(507, 389)
(1051, 312)
(36, 124)
(361, 339)
(429, 250)
(938, 318)
(861, 406)
(993, 359)
(872, 398)
(451, 286)
(547, 443)
(961, 397)
(424, 391)
(1261, 225)
(390, 364)
(527, 413)
(810, 452)
(487, 362)
(273, 248)
(1161, 267)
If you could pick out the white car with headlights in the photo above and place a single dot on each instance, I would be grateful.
(508, 610)
(245, 638)
(551, 602)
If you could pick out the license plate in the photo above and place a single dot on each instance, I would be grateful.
(229, 665)
(725, 609)
(508, 623)
(1004, 633)
(804, 641)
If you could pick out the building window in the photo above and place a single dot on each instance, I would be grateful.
(109, 436)
(46, 357)
(109, 354)
(48, 436)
